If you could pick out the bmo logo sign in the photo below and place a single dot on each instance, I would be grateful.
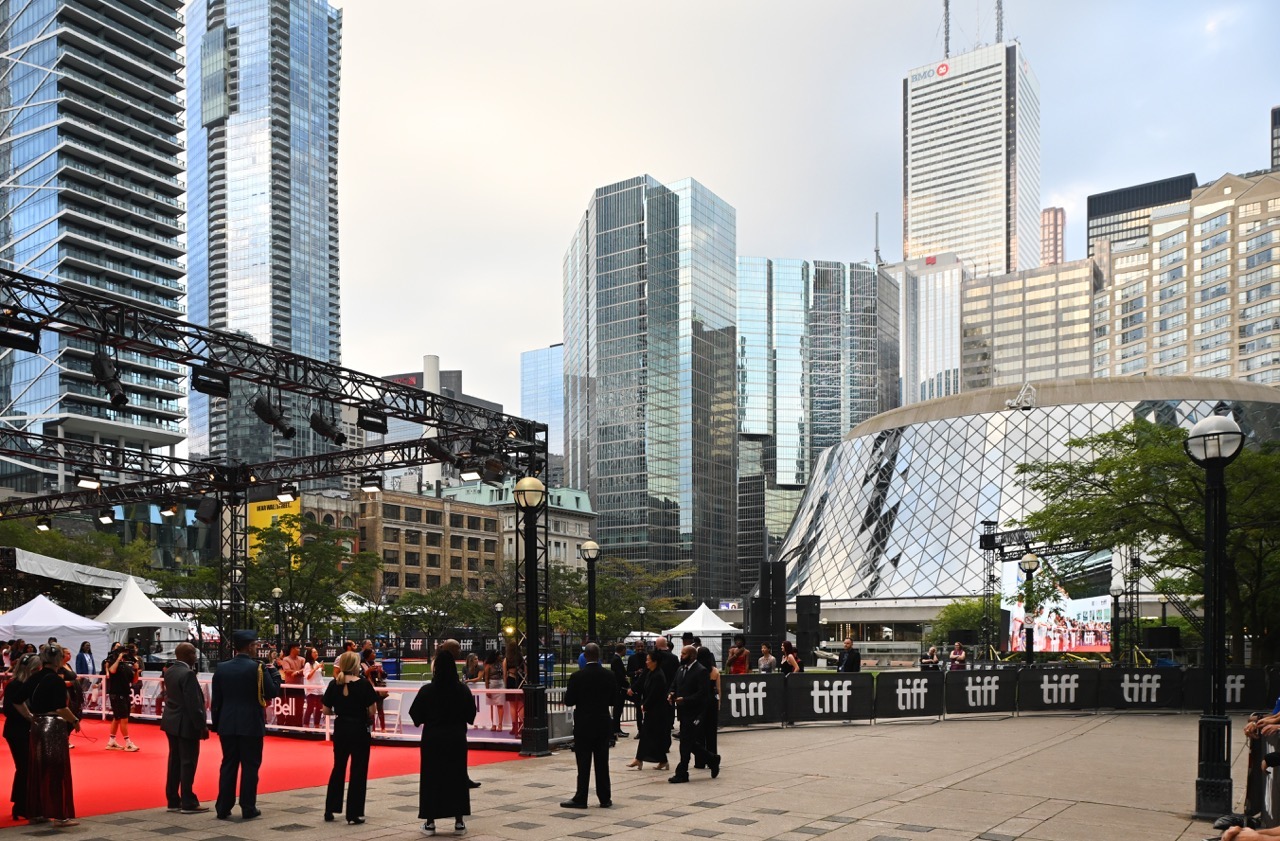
(936, 73)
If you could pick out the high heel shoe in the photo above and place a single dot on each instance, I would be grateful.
(662, 766)
(328, 817)
(635, 763)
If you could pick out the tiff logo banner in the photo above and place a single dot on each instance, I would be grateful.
(1142, 689)
(981, 692)
(751, 699)
(1057, 689)
(1245, 689)
(908, 694)
(837, 697)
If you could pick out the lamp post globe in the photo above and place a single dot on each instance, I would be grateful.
(276, 593)
(497, 609)
(530, 495)
(642, 612)
(590, 551)
(1164, 608)
(1214, 442)
(1029, 564)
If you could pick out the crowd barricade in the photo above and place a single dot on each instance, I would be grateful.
(909, 695)
(968, 691)
(752, 699)
(828, 697)
(1058, 690)
(1246, 689)
(1141, 689)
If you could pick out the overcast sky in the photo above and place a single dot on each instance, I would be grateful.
(473, 134)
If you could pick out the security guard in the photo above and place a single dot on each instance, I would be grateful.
(242, 688)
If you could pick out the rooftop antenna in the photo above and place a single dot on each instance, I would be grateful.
(946, 28)
(999, 21)
(879, 262)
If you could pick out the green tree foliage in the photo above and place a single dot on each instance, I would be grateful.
(84, 545)
(433, 612)
(962, 614)
(313, 572)
(1135, 487)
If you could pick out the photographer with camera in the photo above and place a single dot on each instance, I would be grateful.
(122, 674)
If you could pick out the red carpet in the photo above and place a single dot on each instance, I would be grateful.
(108, 781)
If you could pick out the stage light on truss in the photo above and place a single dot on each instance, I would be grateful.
(43, 524)
(287, 492)
(18, 333)
(169, 510)
(88, 480)
(106, 516)
(104, 372)
(210, 381)
(372, 421)
(327, 429)
(371, 484)
(271, 415)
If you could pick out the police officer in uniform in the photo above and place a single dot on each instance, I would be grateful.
(242, 688)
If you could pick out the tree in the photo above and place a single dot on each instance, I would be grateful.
(961, 614)
(437, 610)
(313, 566)
(1135, 487)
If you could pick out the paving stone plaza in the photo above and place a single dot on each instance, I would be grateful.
(1041, 778)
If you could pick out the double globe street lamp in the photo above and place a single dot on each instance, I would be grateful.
(1029, 564)
(1213, 443)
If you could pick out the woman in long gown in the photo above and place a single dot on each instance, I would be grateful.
(443, 708)
(49, 794)
(17, 728)
(655, 731)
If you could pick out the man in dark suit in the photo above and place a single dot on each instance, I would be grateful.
(183, 721)
(690, 694)
(850, 659)
(636, 670)
(668, 661)
(619, 668)
(591, 692)
(241, 689)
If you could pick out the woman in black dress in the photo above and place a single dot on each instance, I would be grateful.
(351, 700)
(655, 728)
(443, 708)
(17, 728)
(49, 794)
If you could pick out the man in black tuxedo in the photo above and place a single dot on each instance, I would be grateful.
(690, 694)
(591, 692)
(241, 689)
(619, 668)
(667, 661)
(183, 721)
(850, 659)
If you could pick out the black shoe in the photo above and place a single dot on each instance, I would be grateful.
(459, 827)
(173, 809)
(573, 804)
(472, 784)
(678, 778)
(251, 814)
(429, 827)
(355, 821)
(222, 816)
(1227, 821)
(606, 804)
(193, 810)
(715, 766)
(328, 817)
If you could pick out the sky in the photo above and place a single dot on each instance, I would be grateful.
(473, 134)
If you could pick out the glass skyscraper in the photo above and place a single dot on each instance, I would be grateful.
(971, 160)
(542, 391)
(90, 125)
(262, 105)
(817, 354)
(649, 338)
(930, 311)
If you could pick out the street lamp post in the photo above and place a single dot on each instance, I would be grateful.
(530, 495)
(1164, 609)
(1029, 564)
(590, 551)
(1213, 443)
(642, 612)
(497, 608)
(276, 593)
(1116, 592)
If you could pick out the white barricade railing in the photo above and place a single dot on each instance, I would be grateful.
(497, 710)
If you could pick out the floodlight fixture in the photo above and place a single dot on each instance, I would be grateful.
(106, 516)
(88, 480)
(43, 524)
(371, 420)
(272, 416)
(210, 381)
(288, 492)
(17, 332)
(371, 484)
(169, 510)
(327, 429)
(104, 372)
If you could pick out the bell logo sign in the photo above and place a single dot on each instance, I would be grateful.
(936, 73)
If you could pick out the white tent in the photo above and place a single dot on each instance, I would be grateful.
(704, 623)
(132, 609)
(39, 619)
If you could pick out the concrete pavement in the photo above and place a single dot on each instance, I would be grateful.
(1040, 778)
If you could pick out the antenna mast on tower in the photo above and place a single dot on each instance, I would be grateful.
(999, 21)
(946, 28)
(879, 262)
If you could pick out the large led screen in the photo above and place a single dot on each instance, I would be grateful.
(1076, 622)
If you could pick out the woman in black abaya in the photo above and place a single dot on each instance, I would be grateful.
(443, 708)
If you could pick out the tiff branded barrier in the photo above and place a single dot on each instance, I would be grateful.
(824, 696)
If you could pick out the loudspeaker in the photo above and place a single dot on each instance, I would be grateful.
(778, 608)
(965, 636)
(808, 609)
(207, 510)
(758, 617)
(1162, 636)
(808, 606)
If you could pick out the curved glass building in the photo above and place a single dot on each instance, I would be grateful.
(892, 515)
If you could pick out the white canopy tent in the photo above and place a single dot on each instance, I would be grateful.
(704, 623)
(132, 609)
(33, 563)
(39, 619)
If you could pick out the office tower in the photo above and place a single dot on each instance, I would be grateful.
(1199, 292)
(971, 160)
(262, 124)
(649, 313)
(817, 355)
(930, 317)
(542, 399)
(1118, 216)
(90, 197)
(1053, 226)
(1028, 326)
